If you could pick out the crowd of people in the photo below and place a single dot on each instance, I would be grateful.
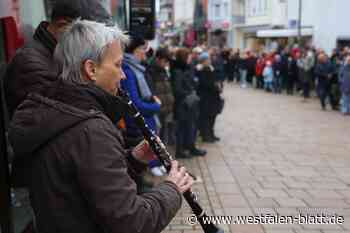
(294, 70)
(177, 90)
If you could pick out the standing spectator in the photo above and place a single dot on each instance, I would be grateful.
(251, 63)
(284, 72)
(324, 72)
(344, 78)
(278, 68)
(337, 62)
(138, 88)
(268, 77)
(160, 80)
(218, 63)
(292, 71)
(232, 66)
(305, 65)
(140, 93)
(186, 105)
(209, 93)
(225, 54)
(260, 65)
(243, 70)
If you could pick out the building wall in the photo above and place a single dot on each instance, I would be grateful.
(266, 12)
(258, 12)
(279, 12)
(183, 11)
(329, 21)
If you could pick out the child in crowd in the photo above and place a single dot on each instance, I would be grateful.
(268, 77)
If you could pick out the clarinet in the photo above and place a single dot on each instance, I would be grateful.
(165, 158)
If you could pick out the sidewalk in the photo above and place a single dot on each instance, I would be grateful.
(277, 156)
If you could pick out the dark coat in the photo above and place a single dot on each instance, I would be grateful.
(344, 78)
(208, 91)
(77, 169)
(251, 63)
(277, 68)
(32, 69)
(243, 64)
(159, 82)
(292, 69)
(183, 86)
(324, 73)
(219, 66)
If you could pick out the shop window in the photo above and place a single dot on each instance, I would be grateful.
(217, 10)
(226, 10)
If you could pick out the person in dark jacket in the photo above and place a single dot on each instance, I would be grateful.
(218, 63)
(251, 63)
(209, 94)
(324, 73)
(157, 76)
(32, 69)
(77, 170)
(232, 66)
(278, 78)
(186, 105)
(292, 74)
(243, 70)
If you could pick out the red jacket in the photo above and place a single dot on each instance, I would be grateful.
(259, 68)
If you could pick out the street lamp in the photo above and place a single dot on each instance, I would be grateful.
(299, 22)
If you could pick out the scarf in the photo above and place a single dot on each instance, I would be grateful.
(139, 71)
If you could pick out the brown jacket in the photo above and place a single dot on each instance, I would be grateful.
(78, 170)
(31, 69)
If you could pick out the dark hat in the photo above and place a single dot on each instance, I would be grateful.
(163, 53)
(85, 9)
(135, 41)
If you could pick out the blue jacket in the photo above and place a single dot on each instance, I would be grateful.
(147, 109)
(344, 78)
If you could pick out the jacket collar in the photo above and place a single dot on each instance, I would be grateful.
(88, 97)
(45, 37)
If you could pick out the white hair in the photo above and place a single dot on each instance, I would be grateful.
(82, 41)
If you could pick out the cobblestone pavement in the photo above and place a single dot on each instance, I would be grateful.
(277, 155)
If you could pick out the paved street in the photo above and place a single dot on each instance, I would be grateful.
(277, 155)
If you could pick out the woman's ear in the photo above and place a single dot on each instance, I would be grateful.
(89, 68)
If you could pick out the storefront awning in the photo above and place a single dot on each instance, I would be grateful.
(252, 29)
(284, 32)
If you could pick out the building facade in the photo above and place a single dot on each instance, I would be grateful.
(183, 22)
(267, 24)
(327, 25)
(252, 16)
(219, 22)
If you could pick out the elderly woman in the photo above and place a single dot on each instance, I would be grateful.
(209, 92)
(78, 173)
